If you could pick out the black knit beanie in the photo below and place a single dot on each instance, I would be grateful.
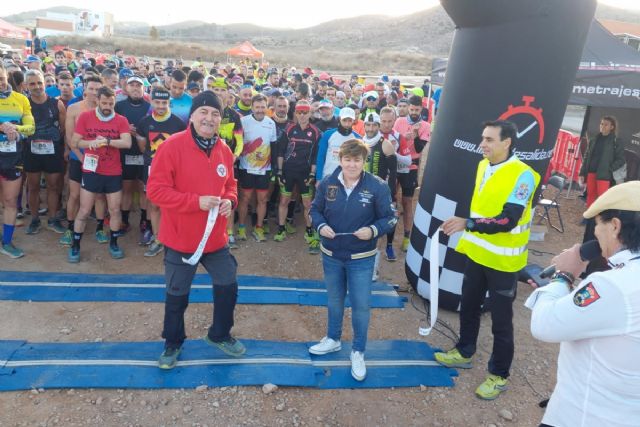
(206, 99)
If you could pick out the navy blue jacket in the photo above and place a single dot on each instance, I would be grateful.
(369, 205)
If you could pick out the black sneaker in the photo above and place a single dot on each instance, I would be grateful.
(169, 358)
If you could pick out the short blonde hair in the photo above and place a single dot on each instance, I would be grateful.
(354, 148)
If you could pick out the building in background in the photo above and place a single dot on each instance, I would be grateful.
(628, 32)
(85, 23)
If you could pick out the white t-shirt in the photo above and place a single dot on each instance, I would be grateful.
(334, 143)
(257, 138)
(598, 326)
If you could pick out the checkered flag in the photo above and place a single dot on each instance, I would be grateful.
(451, 263)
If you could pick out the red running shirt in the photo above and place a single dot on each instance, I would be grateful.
(89, 126)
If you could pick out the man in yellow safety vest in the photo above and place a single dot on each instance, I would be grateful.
(495, 241)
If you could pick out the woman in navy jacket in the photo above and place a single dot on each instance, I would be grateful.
(351, 209)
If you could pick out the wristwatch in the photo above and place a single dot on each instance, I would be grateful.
(565, 277)
(470, 224)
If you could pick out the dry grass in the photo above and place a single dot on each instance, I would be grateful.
(140, 46)
(366, 61)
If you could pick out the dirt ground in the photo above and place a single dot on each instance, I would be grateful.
(533, 371)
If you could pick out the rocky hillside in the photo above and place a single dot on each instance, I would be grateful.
(403, 44)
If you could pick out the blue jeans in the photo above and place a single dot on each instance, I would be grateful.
(356, 276)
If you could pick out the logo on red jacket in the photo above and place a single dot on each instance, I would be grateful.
(222, 170)
(586, 296)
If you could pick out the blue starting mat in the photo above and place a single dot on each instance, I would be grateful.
(78, 287)
(25, 365)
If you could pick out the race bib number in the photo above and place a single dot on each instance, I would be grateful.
(403, 168)
(42, 147)
(133, 160)
(256, 171)
(8, 147)
(90, 162)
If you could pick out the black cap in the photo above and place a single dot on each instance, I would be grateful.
(160, 94)
(205, 99)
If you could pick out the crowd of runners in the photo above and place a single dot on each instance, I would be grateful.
(87, 131)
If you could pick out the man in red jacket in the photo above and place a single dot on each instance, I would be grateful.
(191, 174)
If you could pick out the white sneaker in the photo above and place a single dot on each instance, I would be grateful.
(325, 346)
(358, 368)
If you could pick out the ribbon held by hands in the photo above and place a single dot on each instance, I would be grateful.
(434, 275)
(211, 221)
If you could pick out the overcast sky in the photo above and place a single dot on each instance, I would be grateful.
(273, 13)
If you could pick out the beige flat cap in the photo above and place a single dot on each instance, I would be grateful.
(624, 197)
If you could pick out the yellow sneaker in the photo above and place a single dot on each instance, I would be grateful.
(258, 234)
(289, 227)
(453, 359)
(405, 244)
(491, 387)
(280, 236)
(242, 233)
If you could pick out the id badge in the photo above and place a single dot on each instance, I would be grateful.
(403, 168)
(130, 160)
(90, 162)
(256, 171)
(8, 146)
(42, 147)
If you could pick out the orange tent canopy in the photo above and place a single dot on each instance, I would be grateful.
(245, 49)
(11, 31)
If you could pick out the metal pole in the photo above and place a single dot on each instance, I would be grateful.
(583, 132)
(573, 167)
(429, 101)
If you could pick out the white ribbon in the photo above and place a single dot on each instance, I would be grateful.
(434, 274)
(211, 221)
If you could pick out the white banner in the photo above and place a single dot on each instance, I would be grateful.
(211, 221)
(434, 275)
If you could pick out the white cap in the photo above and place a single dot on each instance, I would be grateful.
(137, 79)
(371, 93)
(347, 113)
(372, 117)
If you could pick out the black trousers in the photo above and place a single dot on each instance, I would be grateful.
(221, 266)
(501, 285)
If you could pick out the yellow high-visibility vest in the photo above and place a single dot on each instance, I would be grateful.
(505, 251)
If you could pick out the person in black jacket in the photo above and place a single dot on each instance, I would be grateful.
(604, 155)
(352, 208)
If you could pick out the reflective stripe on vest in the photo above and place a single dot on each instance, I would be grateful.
(498, 250)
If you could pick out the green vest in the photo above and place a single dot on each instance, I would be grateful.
(505, 251)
